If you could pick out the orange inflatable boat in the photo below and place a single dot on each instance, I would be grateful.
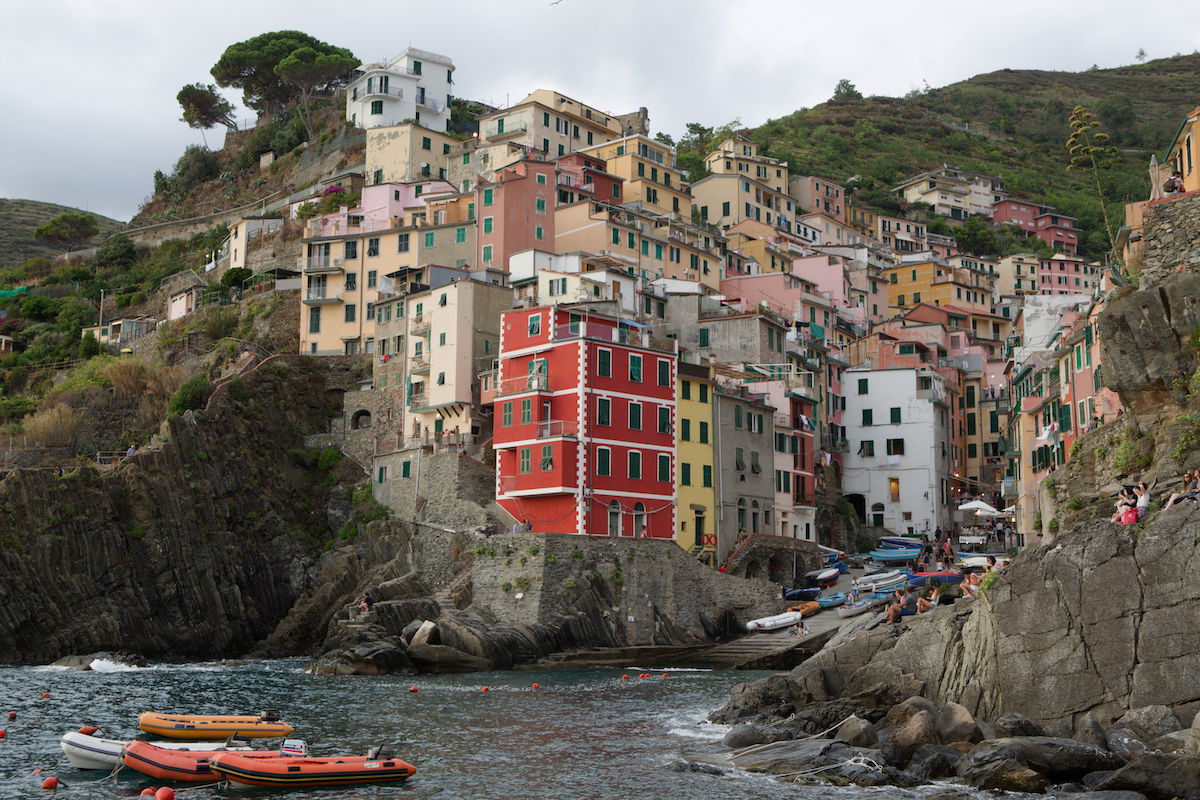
(213, 726)
(378, 766)
(185, 765)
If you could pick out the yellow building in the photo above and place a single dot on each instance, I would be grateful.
(739, 156)
(695, 490)
(648, 168)
(407, 154)
(1184, 154)
(556, 124)
(1016, 274)
(725, 199)
(939, 284)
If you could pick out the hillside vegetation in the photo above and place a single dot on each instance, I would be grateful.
(19, 218)
(1011, 123)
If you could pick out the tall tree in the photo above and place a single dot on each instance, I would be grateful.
(845, 90)
(250, 66)
(68, 230)
(203, 107)
(1091, 152)
(310, 71)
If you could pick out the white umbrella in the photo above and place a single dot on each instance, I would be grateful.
(980, 506)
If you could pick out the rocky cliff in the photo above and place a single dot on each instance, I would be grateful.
(195, 547)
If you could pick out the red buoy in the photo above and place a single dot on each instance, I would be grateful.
(3, 733)
(50, 783)
(12, 715)
(484, 689)
(624, 677)
(88, 730)
(165, 793)
(664, 674)
(147, 792)
(536, 686)
(45, 695)
(412, 688)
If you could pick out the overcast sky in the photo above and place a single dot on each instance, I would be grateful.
(88, 89)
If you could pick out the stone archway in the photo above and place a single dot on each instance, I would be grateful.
(752, 568)
(859, 503)
(360, 420)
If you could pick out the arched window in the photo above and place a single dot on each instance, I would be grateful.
(741, 513)
(754, 517)
(614, 518)
(360, 419)
(639, 520)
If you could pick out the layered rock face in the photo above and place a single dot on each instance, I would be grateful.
(1095, 624)
(194, 548)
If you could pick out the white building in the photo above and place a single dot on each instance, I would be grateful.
(412, 87)
(897, 470)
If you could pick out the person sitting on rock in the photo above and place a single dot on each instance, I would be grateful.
(1142, 491)
(1190, 489)
(905, 606)
(926, 603)
(1125, 501)
(366, 602)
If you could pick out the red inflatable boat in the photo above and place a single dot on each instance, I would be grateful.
(378, 766)
(189, 766)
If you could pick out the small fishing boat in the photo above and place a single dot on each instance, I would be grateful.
(213, 726)
(894, 554)
(901, 542)
(806, 609)
(981, 562)
(882, 581)
(842, 567)
(188, 763)
(775, 622)
(831, 600)
(802, 594)
(87, 751)
(823, 577)
(378, 766)
(926, 578)
(857, 607)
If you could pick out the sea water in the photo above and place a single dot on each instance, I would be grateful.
(584, 733)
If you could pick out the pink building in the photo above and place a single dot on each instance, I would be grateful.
(516, 212)
(1065, 274)
(1055, 229)
(818, 195)
(382, 206)
(582, 177)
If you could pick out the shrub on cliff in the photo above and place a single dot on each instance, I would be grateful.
(57, 426)
(190, 397)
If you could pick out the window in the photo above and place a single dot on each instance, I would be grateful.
(664, 372)
(314, 319)
(635, 368)
(704, 393)
(895, 416)
(430, 238)
(755, 466)
(866, 448)
(685, 390)
(539, 205)
(707, 475)
(351, 281)
(737, 417)
(739, 459)
(441, 379)
(488, 224)
(685, 429)
(526, 455)
(685, 473)
(868, 417)
(460, 235)
(488, 196)
(894, 489)
(487, 254)
(376, 106)
(971, 425)
(526, 410)
(704, 337)
(664, 468)
(895, 447)
(539, 233)
(506, 417)
(664, 419)
(635, 465)
(373, 246)
(535, 325)
(603, 461)
(635, 416)
(603, 411)
(351, 250)
(547, 462)
(604, 363)
(350, 312)
(703, 433)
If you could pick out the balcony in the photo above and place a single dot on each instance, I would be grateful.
(521, 384)
(510, 129)
(417, 397)
(320, 265)
(418, 363)
(556, 428)
(994, 394)
(784, 421)
(317, 297)
(420, 323)
(834, 444)
(575, 330)
(374, 90)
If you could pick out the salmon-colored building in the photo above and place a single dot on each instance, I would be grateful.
(516, 211)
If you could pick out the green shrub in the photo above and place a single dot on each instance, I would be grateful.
(1075, 503)
(328, 458)
(617, 577)
(533, 551)
(576, 554)
(137, 531)
(523, 583)
(238, 391)
(190, 397)
(506, 587)
(1051, 487)
(1053, 525)
(1187, 426)
(551, 559)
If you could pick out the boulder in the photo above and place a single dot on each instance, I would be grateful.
(857, 732)
(955, 724)
(920, 729)
(1057, 759)
(407, 632)
(441, 658)
(1094, 779)
(1172, 742)
(1005, 774)
(1192, 746)
(1090, 731)
(1123, 743)
(1159, 776)
(901, 712)
(793, 755)
(1016, 725)
(1149, 722)
(744, 735)
(932, 761)
(961, 747)
(424, 633)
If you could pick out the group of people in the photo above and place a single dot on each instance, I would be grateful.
(1132, 504)
(909, 603)
(1190, 490)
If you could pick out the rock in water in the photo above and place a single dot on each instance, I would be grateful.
(1158, 776)
(857, 732)
(955, 724)
(920, 729)
(440, 658)
(933, 761)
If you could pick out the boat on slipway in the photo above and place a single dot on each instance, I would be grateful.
(775, 622)
(832, 600)
(892, 555)
(882, 581)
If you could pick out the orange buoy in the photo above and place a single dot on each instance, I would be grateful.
(412, 689)
(147, 792)
(624, 677)
(484, 689)
(45, 695)
(12, 715)
(88, 730)
(536, 686)
(165, 793)
(50, 783)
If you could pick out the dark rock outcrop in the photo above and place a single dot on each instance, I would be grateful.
(1158, 776)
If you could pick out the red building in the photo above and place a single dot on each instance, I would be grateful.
(584, 424)
(582, 177)
(1042, 221)
(516, 212)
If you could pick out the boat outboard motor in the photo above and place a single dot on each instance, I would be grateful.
(238, 741)
(270, 716)
(294, 747)
(380, 752)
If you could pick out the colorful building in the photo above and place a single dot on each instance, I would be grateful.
(516, 211)
(954, 192)
(725, 199)
(1063, 274)
(738, 155)
(1036, 219)
(555, 124)
(585, 424)
(648, 170)
(820, 195)
(414, 85)
(695, 481)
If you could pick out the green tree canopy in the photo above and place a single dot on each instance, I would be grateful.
(250, 66)
(68, 230)
(310, 71)
(845, 90)
(203, 107)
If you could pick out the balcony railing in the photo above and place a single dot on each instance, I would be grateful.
(318, 296)
(783, 421)
(521, 384)
(376, 91)
(993, 394)
(320, 264)
(576, 330)
(494, 132)
(553, 428)
(419, 362)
